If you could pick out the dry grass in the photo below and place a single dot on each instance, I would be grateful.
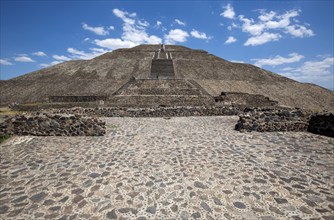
(8, 111)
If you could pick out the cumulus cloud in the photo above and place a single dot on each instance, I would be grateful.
(114, 43)
(269, 26)
(230, 40)
(315, 71)
(182, 23)
(24, 58)
(143, 23)
(55, 62)
(262, 39)
(61, 57)
(278, 60)
(5, 62)
(39, 54)
(237, 61)
(134, 32)
(299, 31)
(97, 30)
(250, 27)
(79, 54)
(125, 16)
(200, 35)
(176, 35)
(228, 12)
(44, 65)
(267, 16)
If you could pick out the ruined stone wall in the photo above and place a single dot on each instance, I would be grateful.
(264, 120)
(76, 98)
(52, 125)
(273, 120)
(244, 99)
(152, 112)
(322, 123)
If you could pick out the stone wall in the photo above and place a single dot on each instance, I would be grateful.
(273, 120)
(244, 100)
(72, 98)
(322, 123)
(264, 120)
(152, 112)
(52, 125)
(45, 106)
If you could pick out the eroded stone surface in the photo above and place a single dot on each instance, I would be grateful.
(180, 168)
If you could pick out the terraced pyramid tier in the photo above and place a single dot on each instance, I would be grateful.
(167, 92)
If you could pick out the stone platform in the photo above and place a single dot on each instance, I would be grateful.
(168, 168)
(162, 92)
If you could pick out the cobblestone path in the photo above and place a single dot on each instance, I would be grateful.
(177, 168)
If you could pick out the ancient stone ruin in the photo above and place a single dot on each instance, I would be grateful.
(167, 81)
(159, 75)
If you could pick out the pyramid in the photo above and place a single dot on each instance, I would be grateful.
(159, 75)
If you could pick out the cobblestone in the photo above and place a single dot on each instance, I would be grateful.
(180, 168)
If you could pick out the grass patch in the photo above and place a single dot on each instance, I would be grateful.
(331, 142)
(112, 127)
(8, 111)
(3, 139)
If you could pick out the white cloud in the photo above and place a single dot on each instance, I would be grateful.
(112, 43)
(55, 62)
(143, 23)
(125, 16)
(176, 35)
(228, 12)
(112, 28)
(237, 61)
(24, 58)
(249, 26)
(200, 35)
(5, 62)
(159, 25)
(278, 60)
(299, 31)
(61, 58)
(262, 39)
(267, 16)
(44, 65)
(39, 53)
(182, 23)
(317, 71)
(134, 32)
(269, 26)
(97, 30)
(287, 69)
(78, 54)
(230, 40)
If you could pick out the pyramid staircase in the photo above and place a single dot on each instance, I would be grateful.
(162, 69)
(161, 88)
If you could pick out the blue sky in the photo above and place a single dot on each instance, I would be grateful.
(291, 38)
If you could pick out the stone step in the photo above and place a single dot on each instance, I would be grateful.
(162, 68)
(161, 87)
(162, 91)
(158, 100)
